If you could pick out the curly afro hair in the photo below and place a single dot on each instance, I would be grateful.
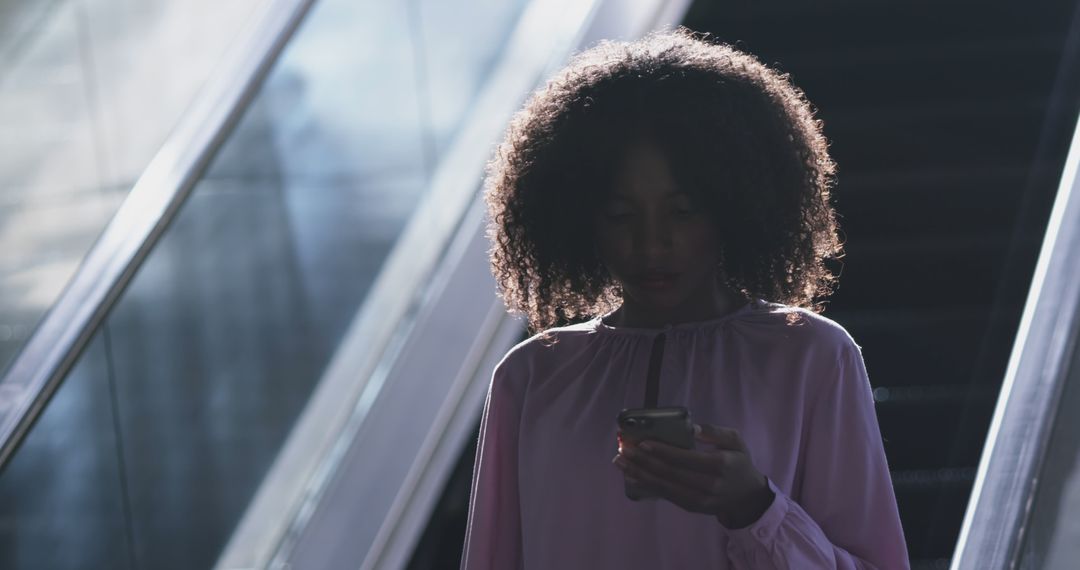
(740, 137)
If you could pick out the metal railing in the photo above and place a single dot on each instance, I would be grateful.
(999, 511)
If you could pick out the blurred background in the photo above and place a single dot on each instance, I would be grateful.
(246, 319)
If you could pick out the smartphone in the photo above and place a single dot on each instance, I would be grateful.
(672, 426)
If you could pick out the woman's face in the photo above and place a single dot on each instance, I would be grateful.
(652, 238)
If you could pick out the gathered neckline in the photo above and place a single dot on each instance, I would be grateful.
(597, 323)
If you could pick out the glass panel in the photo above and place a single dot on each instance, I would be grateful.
(215, 353)
(223, 333)
(61, 496)
(88, 93)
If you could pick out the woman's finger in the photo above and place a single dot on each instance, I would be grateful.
(702, 480)
(672, 488)
(722, 437)
(711, 462)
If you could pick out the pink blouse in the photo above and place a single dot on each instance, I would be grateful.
(546, 496)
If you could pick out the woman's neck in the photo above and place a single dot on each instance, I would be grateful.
(711, 305)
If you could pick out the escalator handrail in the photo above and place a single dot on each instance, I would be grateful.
(56, 343)
(1007, 479)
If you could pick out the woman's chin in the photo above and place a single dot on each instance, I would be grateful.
(658, 301)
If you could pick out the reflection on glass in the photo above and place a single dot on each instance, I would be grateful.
(88, 93)
(61, 496)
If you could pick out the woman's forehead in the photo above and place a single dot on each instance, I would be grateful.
(643, 163)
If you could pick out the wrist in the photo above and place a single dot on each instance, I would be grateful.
(748, 511)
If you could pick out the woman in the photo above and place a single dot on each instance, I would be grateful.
(674, 187)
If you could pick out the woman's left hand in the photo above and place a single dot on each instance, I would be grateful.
(723, 483)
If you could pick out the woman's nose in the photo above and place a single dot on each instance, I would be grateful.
(653, 237)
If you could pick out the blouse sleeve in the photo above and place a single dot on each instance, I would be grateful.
(847, 518)
(493, 534)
